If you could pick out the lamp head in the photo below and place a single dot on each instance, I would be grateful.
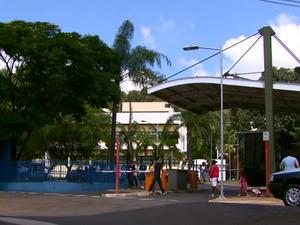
(191, 47)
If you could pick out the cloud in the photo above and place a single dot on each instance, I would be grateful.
(287, 29)
(148, 37)
(190, 25)
(166, 25)
(161, 28)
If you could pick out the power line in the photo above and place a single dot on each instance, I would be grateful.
(203, 60)
(282, 3)
(293, 1)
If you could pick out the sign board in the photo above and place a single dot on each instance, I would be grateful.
(266, 136)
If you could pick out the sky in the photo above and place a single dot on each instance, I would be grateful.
(167, 26)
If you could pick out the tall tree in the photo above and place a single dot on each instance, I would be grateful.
(199, 130)
(67, 138)
(47, 74)
(136, 64)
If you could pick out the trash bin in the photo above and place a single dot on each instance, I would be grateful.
(150, 176)
(177, 179)
(193, 180)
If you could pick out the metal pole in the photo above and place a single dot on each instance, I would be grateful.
(118, 164)
(238, 157)
(267, 33)
(220, 50)
(222, 124)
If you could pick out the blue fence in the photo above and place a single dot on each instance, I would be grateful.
(76, 176)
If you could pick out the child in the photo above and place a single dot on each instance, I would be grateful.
(244, 184)
(214, 175)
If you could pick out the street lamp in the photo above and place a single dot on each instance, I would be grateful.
(220, 50)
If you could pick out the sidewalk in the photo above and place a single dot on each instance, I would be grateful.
(249, 200)
(230, 198)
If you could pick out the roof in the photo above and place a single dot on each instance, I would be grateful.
(202, 94)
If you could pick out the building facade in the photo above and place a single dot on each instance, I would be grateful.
(153, 117)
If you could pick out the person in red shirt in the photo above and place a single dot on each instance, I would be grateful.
(214, 175)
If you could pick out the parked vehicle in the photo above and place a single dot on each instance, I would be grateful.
(285, 185)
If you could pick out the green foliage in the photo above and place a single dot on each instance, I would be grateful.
(69, 138)
(200, 130)
(247, 119)
(49, 74)
(138, 96)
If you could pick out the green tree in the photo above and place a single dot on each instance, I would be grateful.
(168, 139)
(68, 138)
(49, 74)
(200, 129)
(247, 119)
(136, 64)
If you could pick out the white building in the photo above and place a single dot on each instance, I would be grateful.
(153, 115)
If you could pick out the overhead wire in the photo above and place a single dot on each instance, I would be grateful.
(281, 3)
(213, 55)
(243, 55)
(191, 66)
(286, 48)
(294, 1)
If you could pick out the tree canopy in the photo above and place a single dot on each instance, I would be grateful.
(49, 73)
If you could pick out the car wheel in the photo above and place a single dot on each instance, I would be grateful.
(291, 196)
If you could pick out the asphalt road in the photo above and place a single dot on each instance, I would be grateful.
(174, 209)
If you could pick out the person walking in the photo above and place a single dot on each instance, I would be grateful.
(157, 178)
(289, 163)
(142, 175)
(214, 175)
(203, 172)
(134, 171)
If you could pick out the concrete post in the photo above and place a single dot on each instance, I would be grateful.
(267, 33)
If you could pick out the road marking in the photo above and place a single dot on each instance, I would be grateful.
(18, 221)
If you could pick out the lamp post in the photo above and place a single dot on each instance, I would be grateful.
(220, 50)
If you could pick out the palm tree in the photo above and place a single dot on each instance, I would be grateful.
(136, 64)
(198, 127)
(169, 138)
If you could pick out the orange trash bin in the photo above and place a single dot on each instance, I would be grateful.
(150, 177)
(193, 179)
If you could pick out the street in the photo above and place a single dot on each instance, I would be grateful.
(184, 208)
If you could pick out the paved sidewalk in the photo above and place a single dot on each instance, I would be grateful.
(230, 198)
(249, 200)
